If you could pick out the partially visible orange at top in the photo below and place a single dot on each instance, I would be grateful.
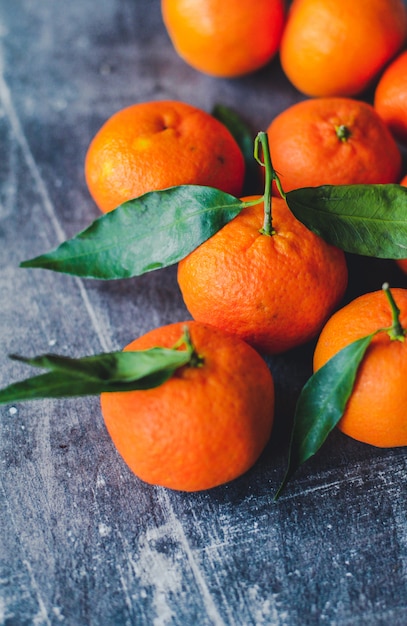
(390, 98)
(337, 47)
(225, 38)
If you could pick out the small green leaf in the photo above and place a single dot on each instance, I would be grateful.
(114, 371)
(369, 220)
(237, 127)
(150, 232)
(322, 403)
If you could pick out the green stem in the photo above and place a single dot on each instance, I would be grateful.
(196, 360)
(396, 331)
(270, 175)
(343, 133)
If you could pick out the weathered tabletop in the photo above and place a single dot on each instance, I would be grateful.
(83, 541)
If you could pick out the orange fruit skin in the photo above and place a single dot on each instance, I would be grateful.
(402, 263)
(332, 48)
(390, 98)
(205, 426)
(224, 38)
(275, 292)
(306, 150)
(155, 145)
(377, 409)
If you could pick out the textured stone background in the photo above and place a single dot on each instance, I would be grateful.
(83, 541)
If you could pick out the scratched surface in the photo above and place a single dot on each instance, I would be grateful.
(83, 542)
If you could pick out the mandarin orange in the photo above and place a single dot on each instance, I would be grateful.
(225, 38)
(155, 145)
(376, 412)
(203, 427)
(390, 97)
(332, 141)
(332, 48)
(274, 291)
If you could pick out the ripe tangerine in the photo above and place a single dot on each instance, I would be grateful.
(376, 412)
(273, 291)
(155, 145)
(332, 48)
(390, 97)
(203, 427)
(225, 38)
(332, 141)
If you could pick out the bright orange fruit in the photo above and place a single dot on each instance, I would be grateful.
(376, 412)
(222, 37)
(206, 425)
(274, 291)
(332, 48)
(390, 98)
(332, 141)
(155, 145)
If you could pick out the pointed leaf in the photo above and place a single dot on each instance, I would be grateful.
(115, 371)
(322, 403)
(153, 231)
(243, 137)
(369, 220)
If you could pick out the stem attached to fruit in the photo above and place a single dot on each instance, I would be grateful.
(270, 175)
(196, 360)
(343, 133)
(396, 331)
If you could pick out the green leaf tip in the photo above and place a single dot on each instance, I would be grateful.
(153, 231)
(106, 372)
(322, 403)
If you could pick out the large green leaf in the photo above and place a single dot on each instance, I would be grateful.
(150, 232)
(114, 371)
(369, 220)
(322, 403)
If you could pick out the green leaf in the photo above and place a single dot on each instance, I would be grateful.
(369, 220)
(114, 371)
(244, 138)
(322, 403)
(237, 127)
(150, 232)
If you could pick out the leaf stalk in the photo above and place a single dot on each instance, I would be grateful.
(261, 141)
(396, 332)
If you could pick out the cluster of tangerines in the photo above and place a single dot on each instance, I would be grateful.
(258, 287)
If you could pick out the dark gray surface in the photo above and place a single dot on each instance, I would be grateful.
(83, 541)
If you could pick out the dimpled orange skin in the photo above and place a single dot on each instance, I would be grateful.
(205, 426)
(390, 98)
(225, 38)
(306, 150)
(377, 410)
(332, 48)
(275, 292)
(155, 145)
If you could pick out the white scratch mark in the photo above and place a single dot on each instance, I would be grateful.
(125, 589)
(104, 530)
(42, 615)
(178, 530)
(266, 611)
(159, 572)
(6, 101)
(157, 561)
